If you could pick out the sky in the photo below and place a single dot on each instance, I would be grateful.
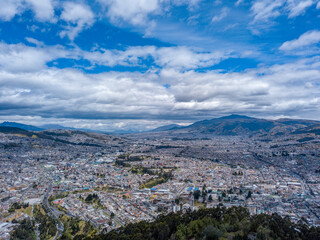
(119, 65)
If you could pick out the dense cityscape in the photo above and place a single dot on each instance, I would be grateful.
(111, 181)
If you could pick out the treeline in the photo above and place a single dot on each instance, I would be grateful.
(122, 163)
(24, 231)
(143, 170)
(214, 223)
(76, 229)
(162, 177)
(92, 198)
(129, 158)
(17, 205)
(47, 225)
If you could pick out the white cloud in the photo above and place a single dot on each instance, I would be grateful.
(238, 2)
(21, 58)
(44, 10)
(266, 10)
(134, 11)
(75, 95)
(318, 5)
(298, 7)
(137, 12)
(171, 57)
(9, 8)
(263, 10)
(185, 58)
(191, 3)
(306, 39)
(78, 16)
(222, 15)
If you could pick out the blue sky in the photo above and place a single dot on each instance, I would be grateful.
(137, 64)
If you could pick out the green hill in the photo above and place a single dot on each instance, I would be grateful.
(218, 223)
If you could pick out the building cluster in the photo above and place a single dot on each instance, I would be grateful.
(140, 178)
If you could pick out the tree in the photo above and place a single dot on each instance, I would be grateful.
(204, 195)
(204, 188)
(196, 194)
(89, 198)
(211, 233)
(249, 195)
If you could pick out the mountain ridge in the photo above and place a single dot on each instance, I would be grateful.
(243, 125)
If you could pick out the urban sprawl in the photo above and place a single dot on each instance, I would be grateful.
(110, 181)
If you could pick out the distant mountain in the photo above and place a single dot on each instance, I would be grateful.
(243, 125)
(15, 130)
(56, 126)
(167, 128)
(21, 126)
(314, 129)
(235, 116)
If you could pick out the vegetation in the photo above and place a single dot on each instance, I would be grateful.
(47, 225)
(214, 223)
(58, 196)
(305, 139)
(122, 164)
(15, 206)
(91, 198)
(143, 170)
(76, 229)
(129, 158)
(24, 231)
(162, 178)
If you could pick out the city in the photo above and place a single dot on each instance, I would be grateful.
(111, 181)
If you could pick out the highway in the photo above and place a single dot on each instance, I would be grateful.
(54, 213)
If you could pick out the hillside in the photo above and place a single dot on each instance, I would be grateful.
(214, 223)
(167, 128)
(234, 125)
(72, 137)
(20, 125)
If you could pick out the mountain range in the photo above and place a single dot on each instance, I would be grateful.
(36, 128)
(243, 125)
(231, 125)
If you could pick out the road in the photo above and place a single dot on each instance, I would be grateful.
(54, 213)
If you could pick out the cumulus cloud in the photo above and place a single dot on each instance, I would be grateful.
(137, 12)
(306, 39)
(43, 10)
(9, 9)
(21, 58)
(169, 57)
(27, 84)
(78, 16)
(133, 11)
(72, 94)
